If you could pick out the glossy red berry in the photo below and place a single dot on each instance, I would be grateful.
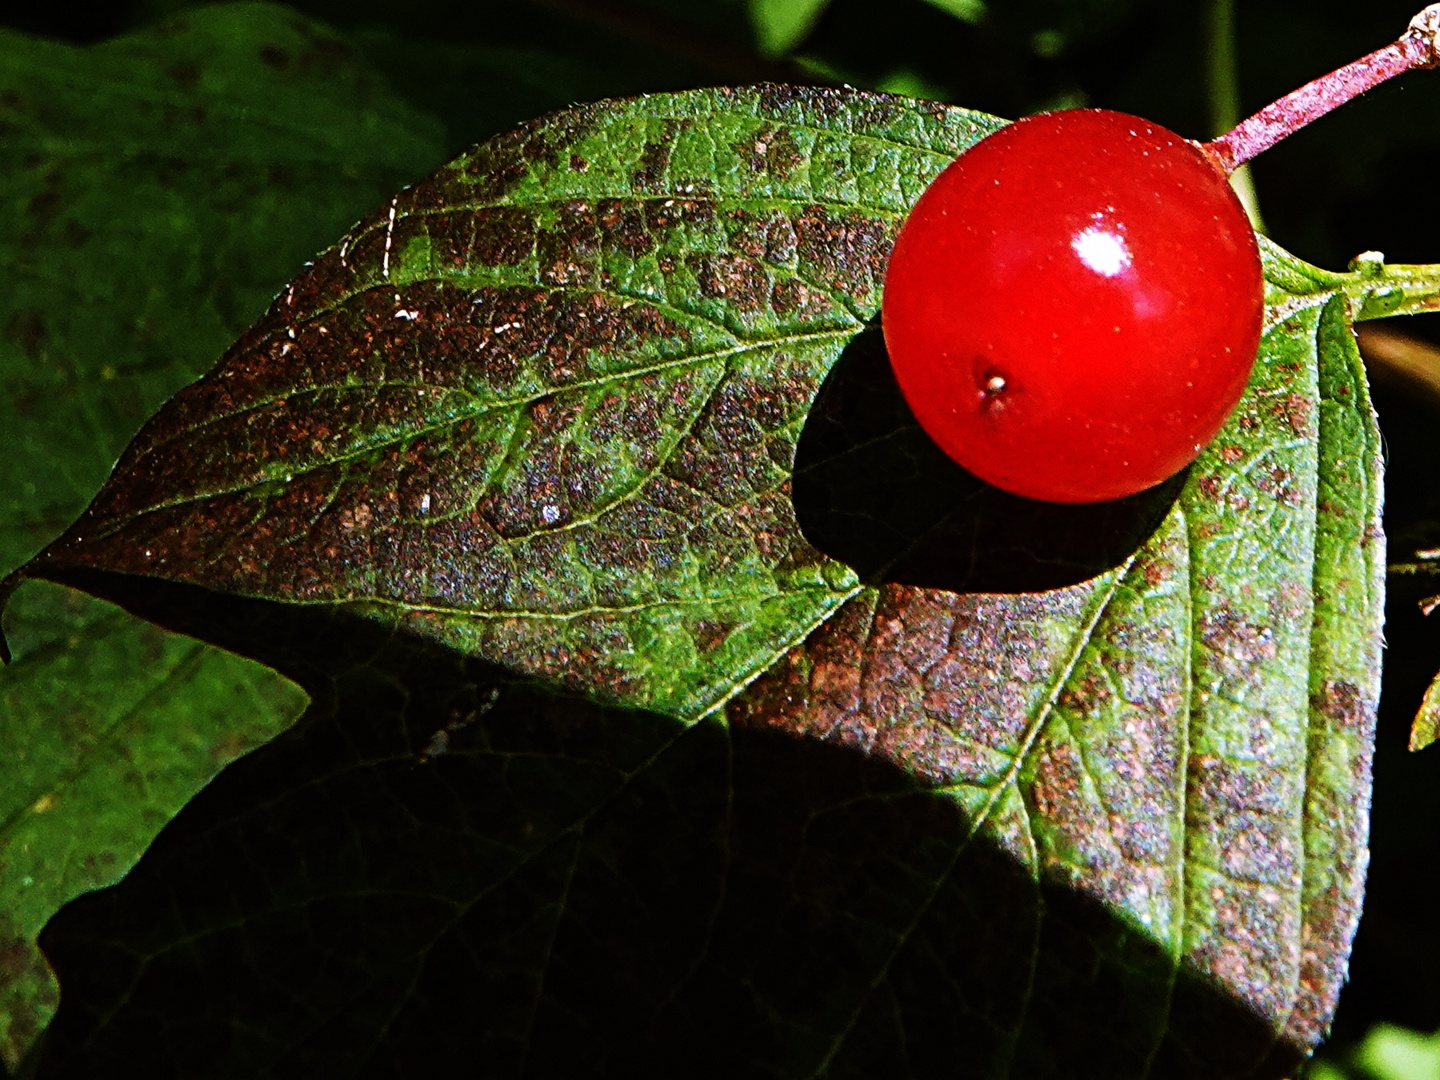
(1073, 307)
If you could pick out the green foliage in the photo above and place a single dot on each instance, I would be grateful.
(158, 188)
(542, 409)
(514, 458)
(781, 24)
(1393, 1053)
(1388, 1052)
(113, 725)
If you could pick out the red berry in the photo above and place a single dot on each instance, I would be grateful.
(1073, 307)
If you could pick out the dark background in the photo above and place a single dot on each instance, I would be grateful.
(1363, 179)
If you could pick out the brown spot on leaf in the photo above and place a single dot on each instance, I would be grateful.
(494, 168)
(1279, 484)
(624, 226)
(739, 281)
(1252, 947)
(502, 236)
(1092, 692)
(1343, 703)
(569, 250)
(1295, 410)
(800, 104)
(773, 150)
(655, 158)
(941, 679)
(845, 253)
(1235, 641)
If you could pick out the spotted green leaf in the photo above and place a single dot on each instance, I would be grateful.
(543, 407)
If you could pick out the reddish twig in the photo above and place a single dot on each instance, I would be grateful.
(1418, 47)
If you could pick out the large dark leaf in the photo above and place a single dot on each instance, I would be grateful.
(542, 411)
(111, 726)
(158, 189)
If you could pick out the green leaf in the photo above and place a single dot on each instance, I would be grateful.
(644, 297)
(1390, 1052)
(780, 25)
(111, 726)
(543, 409)
(158, 190)
(970, 11)
(1393, 1053)
(1426, 728)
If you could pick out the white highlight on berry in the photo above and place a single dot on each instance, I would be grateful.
(1102, 251)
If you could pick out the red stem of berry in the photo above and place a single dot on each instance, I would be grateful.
(1418, 47)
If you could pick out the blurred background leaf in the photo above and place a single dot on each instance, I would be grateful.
(1387, 1052)
(780, 24)
(158, 190)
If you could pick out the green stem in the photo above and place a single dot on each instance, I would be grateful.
(1377, 290)
(1222, 83)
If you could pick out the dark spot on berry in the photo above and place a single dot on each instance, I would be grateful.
(275, 57)
(993, 386)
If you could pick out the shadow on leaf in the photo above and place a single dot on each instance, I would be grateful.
(872, 490)
(558, 887)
